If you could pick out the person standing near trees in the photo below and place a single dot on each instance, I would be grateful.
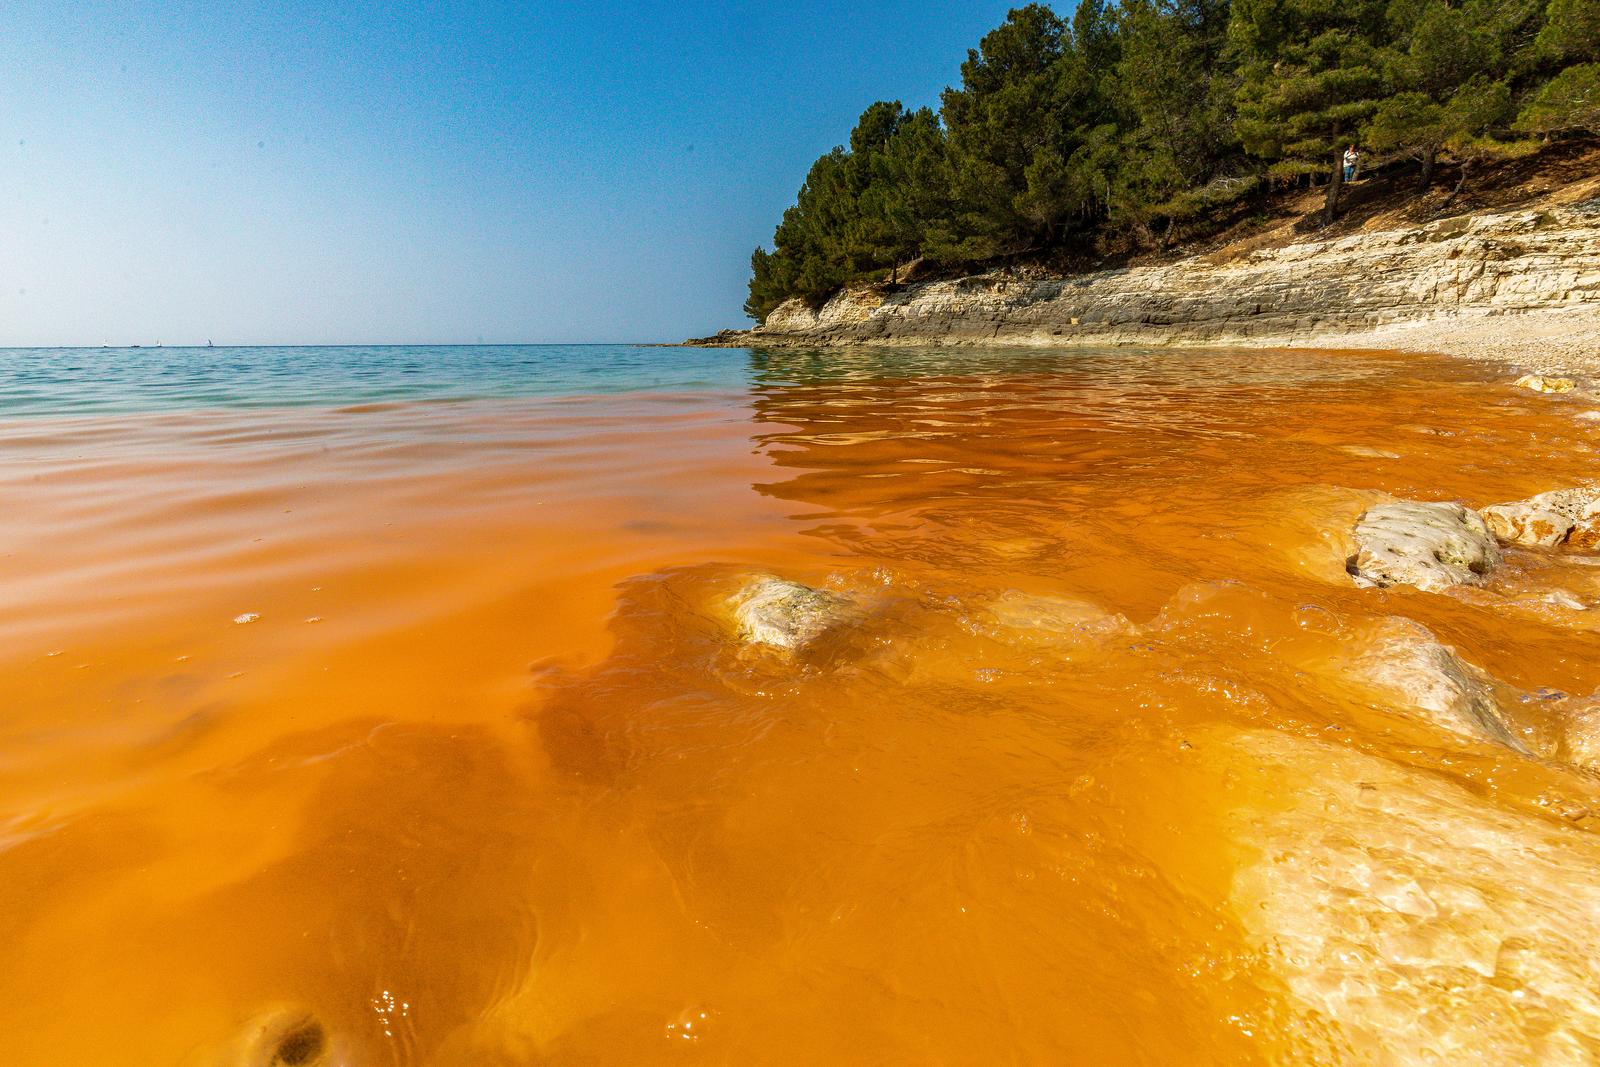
(1351, 158)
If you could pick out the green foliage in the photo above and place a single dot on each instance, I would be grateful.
(1137, 117)
(770, 284)
(1570, 101)
(1408, 122)
(1572, 30)
(1007, 127)
(1568, 47)
(1447, 70)
(905, 200)
(1448, 45)
(1176, 101)
(1311, 74)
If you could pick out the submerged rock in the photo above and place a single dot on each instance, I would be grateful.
(1580, 736)
(283, 1037)
(1560, 598)
(1541, 384)
(1563, 517)
(787, 615)
(1053, 620)
(1410, 919)
(1430, 546)
(1414, 674)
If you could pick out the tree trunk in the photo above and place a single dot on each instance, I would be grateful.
(1427, 170)
(1331, 208)
(1466, 167)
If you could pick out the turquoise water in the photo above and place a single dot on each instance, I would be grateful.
(59, 381)
(72, 381)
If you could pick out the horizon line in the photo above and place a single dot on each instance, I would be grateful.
(343, 344)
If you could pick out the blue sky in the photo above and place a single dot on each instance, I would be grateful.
(429, 172)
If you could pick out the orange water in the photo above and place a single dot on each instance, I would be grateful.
(489, 782)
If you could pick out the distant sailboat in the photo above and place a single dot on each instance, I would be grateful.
(209, 344)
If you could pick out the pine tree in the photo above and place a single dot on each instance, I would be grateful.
(1570, 101)
(1571, 30)
(809, 241)
(767, 290)
(1311, 76)
(1004, 128)
(905, 203)
(1449, 69)
(1174, 94)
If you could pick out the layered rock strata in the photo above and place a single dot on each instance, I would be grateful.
(1460, 268)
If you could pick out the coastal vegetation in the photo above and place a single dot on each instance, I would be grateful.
(1135, 125)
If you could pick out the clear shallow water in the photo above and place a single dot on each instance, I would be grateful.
(55, 381)
(342, 729)
(68, 381)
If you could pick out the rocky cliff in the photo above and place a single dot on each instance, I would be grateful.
(1536, 259)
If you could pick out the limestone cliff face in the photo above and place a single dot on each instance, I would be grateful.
(1462, 267)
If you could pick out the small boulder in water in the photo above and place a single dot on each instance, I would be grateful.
(1368, 452)
(283, 1037)
(1420, 677)
(1430, 546)
(787, 615)
(1563, 517)
(1580, 736)
(1541, 384)
(1053, 620)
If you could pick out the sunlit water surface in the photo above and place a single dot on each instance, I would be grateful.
(378, 707)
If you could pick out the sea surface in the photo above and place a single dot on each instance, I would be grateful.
(384, 706)
(58, 381)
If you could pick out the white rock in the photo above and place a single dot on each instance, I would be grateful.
(1562, 599)
(1430, 546)
(1412, 673)
(1055, 620)
(1445, 279)
(783, 614)
(1565, 516)
(1541, 384)
(1580, 736)
(1412, 920)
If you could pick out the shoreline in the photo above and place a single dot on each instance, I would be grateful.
(1519, 286)
(1556, 340)
(1548, 341)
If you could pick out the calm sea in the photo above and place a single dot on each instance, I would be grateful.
(77, 380)
(71, 381)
